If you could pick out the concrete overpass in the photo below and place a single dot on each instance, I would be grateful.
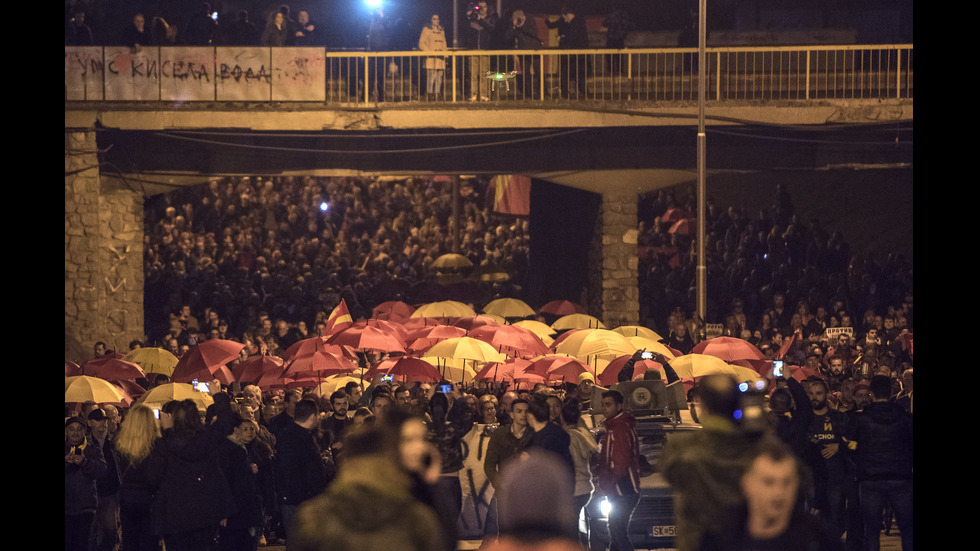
(119, 152)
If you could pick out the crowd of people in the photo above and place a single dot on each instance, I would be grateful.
(378, 464)
(287, 249)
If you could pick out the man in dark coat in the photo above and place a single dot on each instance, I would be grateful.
(572, 35)
(245, 525)
(300, 471)
(882, 438)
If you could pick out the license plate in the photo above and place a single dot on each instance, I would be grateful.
(663, 531)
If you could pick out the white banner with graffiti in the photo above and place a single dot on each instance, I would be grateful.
(184, 74)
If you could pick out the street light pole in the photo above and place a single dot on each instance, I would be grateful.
(702, 184)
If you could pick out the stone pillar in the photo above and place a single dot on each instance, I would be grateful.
(620, 287)
(103, 255)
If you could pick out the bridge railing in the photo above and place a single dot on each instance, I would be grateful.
(262, 74)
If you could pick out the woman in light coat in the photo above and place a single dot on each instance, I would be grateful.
(433, 39)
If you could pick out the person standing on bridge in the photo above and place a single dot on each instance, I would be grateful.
(482, 22)
(433, 39)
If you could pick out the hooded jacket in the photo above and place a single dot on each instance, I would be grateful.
(619, 454)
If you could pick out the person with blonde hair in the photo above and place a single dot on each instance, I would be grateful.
(138, 433)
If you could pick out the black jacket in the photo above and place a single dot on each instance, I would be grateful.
(882, 436)
(300, 472)
(191, 490)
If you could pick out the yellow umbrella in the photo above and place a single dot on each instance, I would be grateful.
(444, 309)
(637, 331)
(153, 360)
(452, 369)
(83, 388)
(466, 348)
(539, 328)
(159, 395)
(595, 343)
(335, 382)
(508, 308)
(451, 261)
(577, 321)
(651, 346)
(699, 365)
(744, 374)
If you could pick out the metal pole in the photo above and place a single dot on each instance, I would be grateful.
(455, 24)
(702, 184)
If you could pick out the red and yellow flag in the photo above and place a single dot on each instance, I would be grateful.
(339, 319)
(511, 194)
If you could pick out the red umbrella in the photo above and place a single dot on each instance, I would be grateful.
(729, 349)
(801, 373)
(318, 364)
(610, 375)
(686, 226)
(394, 310)
(511, 340)
(367, 337)
(254, 367)
(556, 366)
(72, 369)
(472, 322)
(674, 214)
(503, 371)
(409, 368)
(314, 344)
(114, 369)
(436, 332)
(208, 356)
(204, 375)
(562, 308)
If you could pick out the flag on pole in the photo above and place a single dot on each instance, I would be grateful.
(511, 194)
(339, 319)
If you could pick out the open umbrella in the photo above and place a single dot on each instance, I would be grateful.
(153, 360)
(555, 367)
(699, 365)
(368, 337)
(539, 328)
(561, 308)
(609, 375)
(637, 331)
(451, 261)
(159, 395)
(502, 371)
(684, 226)
(84, 388)
(643, 343)
(577, 321)
(509, 308)
(511, 340)
(253, 368)
(729, 349)
(337, 382)
(114, 369)
(466, 348)
(72, 369)
(207, 357)
(394, 310)
(443, 309)
(317, 364)
(472, 322)
(589, 343)
(407, 368)
(674, 214)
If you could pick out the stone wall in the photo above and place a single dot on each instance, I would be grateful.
(103, 255)
(620, 290)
